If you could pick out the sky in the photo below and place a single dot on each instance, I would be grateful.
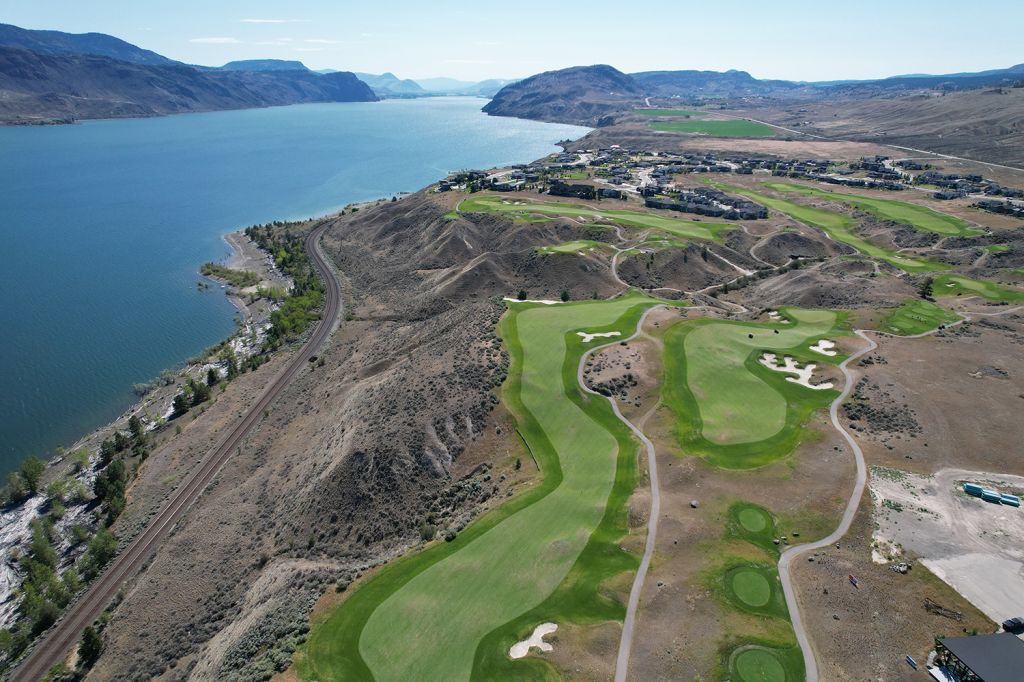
(789, 39)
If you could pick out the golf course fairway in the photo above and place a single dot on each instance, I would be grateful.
(525, 209)
(920, 217)
(729, 408)
(451, 611)
(838, 226)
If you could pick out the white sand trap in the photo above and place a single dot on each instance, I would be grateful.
(542, 301)
(587, 338)
(825, 347)
(520, 649)
(803, 374)
(774, 316)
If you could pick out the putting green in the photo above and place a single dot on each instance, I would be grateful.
(716, 128)
(730, 408)
(946, 286)
(450, 613)
(753, 520)
(916, 316)
(525, 209)
(839, 227)
(920, 217)
(751, 587)
(758, 664)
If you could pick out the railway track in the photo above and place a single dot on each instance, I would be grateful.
(54, 646)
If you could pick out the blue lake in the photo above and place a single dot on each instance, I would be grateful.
(104, 224)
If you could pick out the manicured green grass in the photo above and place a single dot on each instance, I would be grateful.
(575, 246)
(453, 610)
(946, 286)
(626, 218)
(754, 524)
(452, 215)
(920, 217)
(916, 316)
(996, 248)
(758, 663)
(839, 227)
(670, 113)
(730, 409)
(727, 128)
(755, 588)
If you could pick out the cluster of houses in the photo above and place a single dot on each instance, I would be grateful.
(954, 186)
(560, 188)
(1003, 207)
(710, 202)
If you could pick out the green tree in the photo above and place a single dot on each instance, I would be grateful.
(121, 442)
(212, 376)
(565, 296)
(101, 550)
(522, 295)
(31, 472)
(200, 393)
(925, 287)
(90, 648)
(16, 491)
(180, 404)
(81, 459)
(136, 427)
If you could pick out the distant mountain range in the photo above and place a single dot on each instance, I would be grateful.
(591, 95)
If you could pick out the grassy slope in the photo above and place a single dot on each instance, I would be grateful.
(519, 207)
(574, 246)
(839, 227)
(946, 286)
(670, 113)
(729, 128)
(920, 217)
(730, 409)
(450, 596)
(916, 316)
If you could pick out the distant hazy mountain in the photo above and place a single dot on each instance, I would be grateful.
(265, 65)
(708, 84)
(58, 42)
(44, 86)
(389, 85)
(443, 85)
(581, 94)
(451, 86)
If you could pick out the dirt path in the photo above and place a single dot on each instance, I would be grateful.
(53, 646)
(629, 624)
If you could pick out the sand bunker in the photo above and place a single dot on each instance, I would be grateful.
(803, 374)
(520, 649)
(544, 301)
(774, 316)
(825, 347)
(587, 338)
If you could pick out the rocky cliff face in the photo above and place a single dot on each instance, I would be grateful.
(36, 87)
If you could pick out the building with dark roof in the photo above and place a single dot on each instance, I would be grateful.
(983, 658)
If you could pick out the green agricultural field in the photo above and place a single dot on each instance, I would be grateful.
(727, 128)
(575, 246)
(916, 316)
(920, 217)
(524, 209)
(839, 227)
(730, 409)
(946, 286)
(670, 113)
(452, 611)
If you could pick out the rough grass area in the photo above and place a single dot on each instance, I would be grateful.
(575, 246)
(730, 409)
(670, 113)
(920, 217)
(525, 209)
(947, 286)
(728, 128)
(916, 316)
(839, 227)
(452, 611)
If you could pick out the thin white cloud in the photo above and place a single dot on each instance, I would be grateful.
(275, 21)
(468, 61)
(322, 41)
(309, 49)
(216, 40)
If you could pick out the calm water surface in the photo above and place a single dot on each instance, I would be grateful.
(104, 224)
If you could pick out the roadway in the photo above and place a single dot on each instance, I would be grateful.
(54, 645)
